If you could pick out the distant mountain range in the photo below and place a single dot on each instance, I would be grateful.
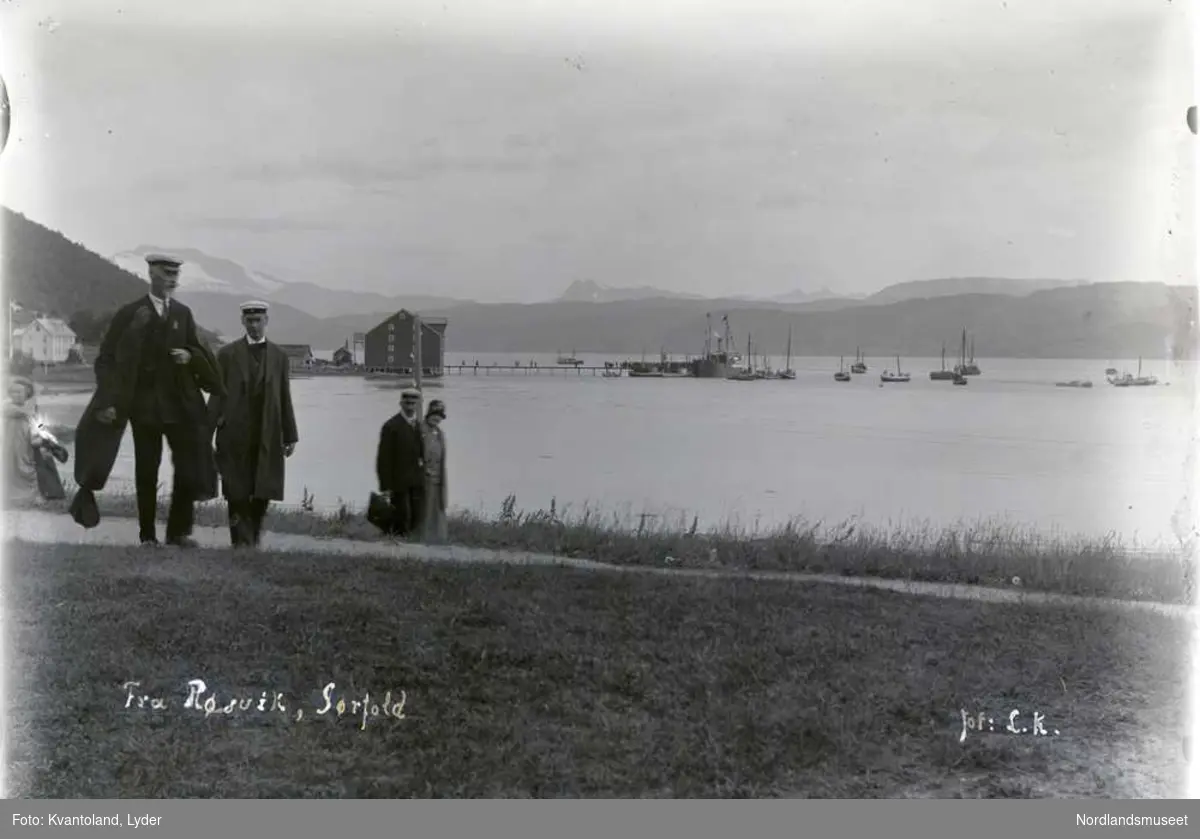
(588, 291)
(204, 273)
(1010, 318)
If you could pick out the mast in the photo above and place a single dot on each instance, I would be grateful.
(943, 356)
(897, 365)
(749, 357)
(789, 349)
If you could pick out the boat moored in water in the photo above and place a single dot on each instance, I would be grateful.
(841, 375)
(942, 375)
(860, 363)
(898, 376)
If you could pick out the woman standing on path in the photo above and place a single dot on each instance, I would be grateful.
(433, 523)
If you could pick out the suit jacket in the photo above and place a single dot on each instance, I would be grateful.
(145, 384)
(400, 459)
(250, 454)
(96, 443)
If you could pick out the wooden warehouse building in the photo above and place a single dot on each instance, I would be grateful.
(389, 346)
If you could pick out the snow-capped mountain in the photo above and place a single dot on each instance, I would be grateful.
(203, 273)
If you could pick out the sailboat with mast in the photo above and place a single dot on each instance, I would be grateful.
(841, 375)
(1129, 380)
(960, 376)
(787, 372)
(898, 376)
(860, 363)
(942, 375)
(967, 367)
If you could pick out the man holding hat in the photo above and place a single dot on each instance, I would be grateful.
(256, 425)
(400, 464)
(149, 371)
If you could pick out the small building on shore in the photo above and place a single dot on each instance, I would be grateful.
(390, 345)
(300, 356)
(47, 340)
(343, 357)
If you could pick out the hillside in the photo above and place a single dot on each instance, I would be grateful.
(46, 272)
(951, 286)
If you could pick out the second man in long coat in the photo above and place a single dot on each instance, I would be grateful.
(256, 425)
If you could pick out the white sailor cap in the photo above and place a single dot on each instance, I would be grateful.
(163, 260)
(255, 307)
(410, 393)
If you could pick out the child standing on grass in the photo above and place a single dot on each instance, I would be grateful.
(20, 444)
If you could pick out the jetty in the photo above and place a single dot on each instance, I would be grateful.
(534, 369)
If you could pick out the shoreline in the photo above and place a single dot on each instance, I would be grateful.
(990, 555)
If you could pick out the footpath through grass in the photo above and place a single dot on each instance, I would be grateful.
(525, 681)
(984, 554)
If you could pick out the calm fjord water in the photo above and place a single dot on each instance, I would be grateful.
(1008, 446)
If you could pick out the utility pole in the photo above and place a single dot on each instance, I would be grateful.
(417, 366)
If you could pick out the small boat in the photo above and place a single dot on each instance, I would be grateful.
(570, 360)
(746, 374)
(1129, 380)
(860, 363)
(1143, 381)
(787, 372)
(1074, 383)
(898, 376)
(959, 376)
(968, 367)
(942, 375)
(841, 375)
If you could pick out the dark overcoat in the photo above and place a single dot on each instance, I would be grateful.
(117, 362)
(400, 458)
(242, 475)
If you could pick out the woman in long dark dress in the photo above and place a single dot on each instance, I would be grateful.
(433, 523)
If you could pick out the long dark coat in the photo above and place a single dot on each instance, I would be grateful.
(235, 426)
(96, 443)
(400, 458)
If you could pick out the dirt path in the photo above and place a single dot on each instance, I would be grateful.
(45, 527)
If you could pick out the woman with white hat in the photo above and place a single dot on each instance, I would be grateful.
(433, 529)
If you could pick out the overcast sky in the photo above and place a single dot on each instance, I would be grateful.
(499, 149)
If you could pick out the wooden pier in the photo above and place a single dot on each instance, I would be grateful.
(532, 370)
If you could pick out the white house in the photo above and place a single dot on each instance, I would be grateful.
(45, 340)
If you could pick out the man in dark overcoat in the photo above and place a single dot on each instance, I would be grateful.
(149, 371)
(400, 464)
(256, 425)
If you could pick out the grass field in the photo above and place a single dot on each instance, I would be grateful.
(548, 682)
(983, 554)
